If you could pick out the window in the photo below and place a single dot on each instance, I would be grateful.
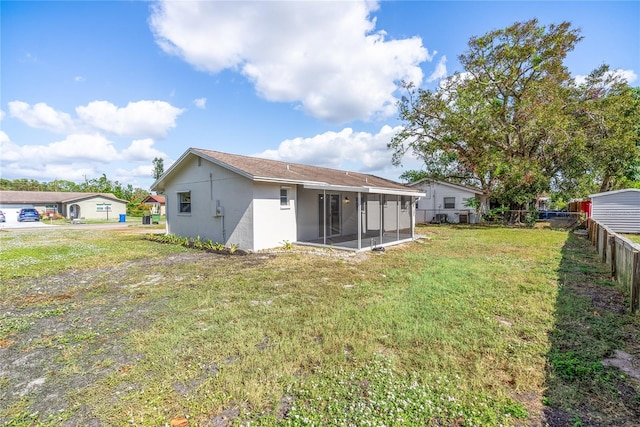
(449, 202)
(103, 207)
(184, 202)
(404, 202)
(51, 208)
(284, 197)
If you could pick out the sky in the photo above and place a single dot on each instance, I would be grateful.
(103, 87)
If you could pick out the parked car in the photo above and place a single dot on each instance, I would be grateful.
(2, 218)
(28, 214)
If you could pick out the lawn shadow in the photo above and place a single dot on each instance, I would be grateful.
(592, 324)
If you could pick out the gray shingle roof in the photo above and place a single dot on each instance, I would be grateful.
(39, 197)
(273, 170)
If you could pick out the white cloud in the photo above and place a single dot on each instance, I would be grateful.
(200, 103)
(79, 79)
(72, 158)
(142, 171)
(325, 55)
(142, 150)
(141, 118)
(628, 75)
(338, 149)
(41, 116)
(440, 72)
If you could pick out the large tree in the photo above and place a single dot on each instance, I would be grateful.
(608, 113)
(505, 124)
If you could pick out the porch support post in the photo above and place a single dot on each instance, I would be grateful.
(412, 218)
(383, 199)
(397, 218)
(324, 217)
(359, 213)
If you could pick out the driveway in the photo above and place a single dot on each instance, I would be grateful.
(12, 221)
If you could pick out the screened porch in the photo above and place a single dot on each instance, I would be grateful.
(354, 220)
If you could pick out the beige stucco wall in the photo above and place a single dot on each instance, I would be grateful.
(89, 208)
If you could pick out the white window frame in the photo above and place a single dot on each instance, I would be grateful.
(182, 203)
(285, 197)
(444, 202)
(103, 207)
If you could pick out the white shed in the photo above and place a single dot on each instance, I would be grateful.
(619, 210)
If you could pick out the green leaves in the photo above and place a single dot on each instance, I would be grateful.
(516, 124)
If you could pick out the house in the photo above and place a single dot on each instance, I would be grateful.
(259, 204)
(157, 202)
(447, 202)
(619, 210)
(73, 205)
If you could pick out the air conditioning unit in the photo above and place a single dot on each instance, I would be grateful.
(442, 218)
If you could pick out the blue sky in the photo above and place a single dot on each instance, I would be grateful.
(102, 87)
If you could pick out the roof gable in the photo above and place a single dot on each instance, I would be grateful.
(154, 198)
(448, 184)
(31, 197)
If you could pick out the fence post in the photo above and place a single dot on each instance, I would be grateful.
(612, 250)
(605, 242)
(635, 281)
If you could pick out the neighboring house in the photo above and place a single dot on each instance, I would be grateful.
(447, 202)
(72, 205)
(259, 204)
(619, 210)
(157, 202)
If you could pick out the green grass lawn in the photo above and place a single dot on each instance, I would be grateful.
(470, 326)
(633, 237)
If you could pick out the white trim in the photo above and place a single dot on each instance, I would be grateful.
(607, 193)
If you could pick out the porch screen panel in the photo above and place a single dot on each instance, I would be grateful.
(370, 220)
(391, 206)
(406, 214)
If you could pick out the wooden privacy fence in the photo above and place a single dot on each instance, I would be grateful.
(622, 255)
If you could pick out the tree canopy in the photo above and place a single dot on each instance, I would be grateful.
(94, 185)
(158, 167)
(516, 124)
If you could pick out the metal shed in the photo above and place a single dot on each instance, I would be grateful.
(619, 210)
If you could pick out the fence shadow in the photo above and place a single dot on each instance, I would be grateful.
(593, 324)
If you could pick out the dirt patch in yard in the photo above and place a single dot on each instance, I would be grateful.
(60, 334)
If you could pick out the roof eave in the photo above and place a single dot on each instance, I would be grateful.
(364, 189)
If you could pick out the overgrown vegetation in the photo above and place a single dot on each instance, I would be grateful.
(471, 326)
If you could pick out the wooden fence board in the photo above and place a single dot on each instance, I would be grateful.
(622, 255)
